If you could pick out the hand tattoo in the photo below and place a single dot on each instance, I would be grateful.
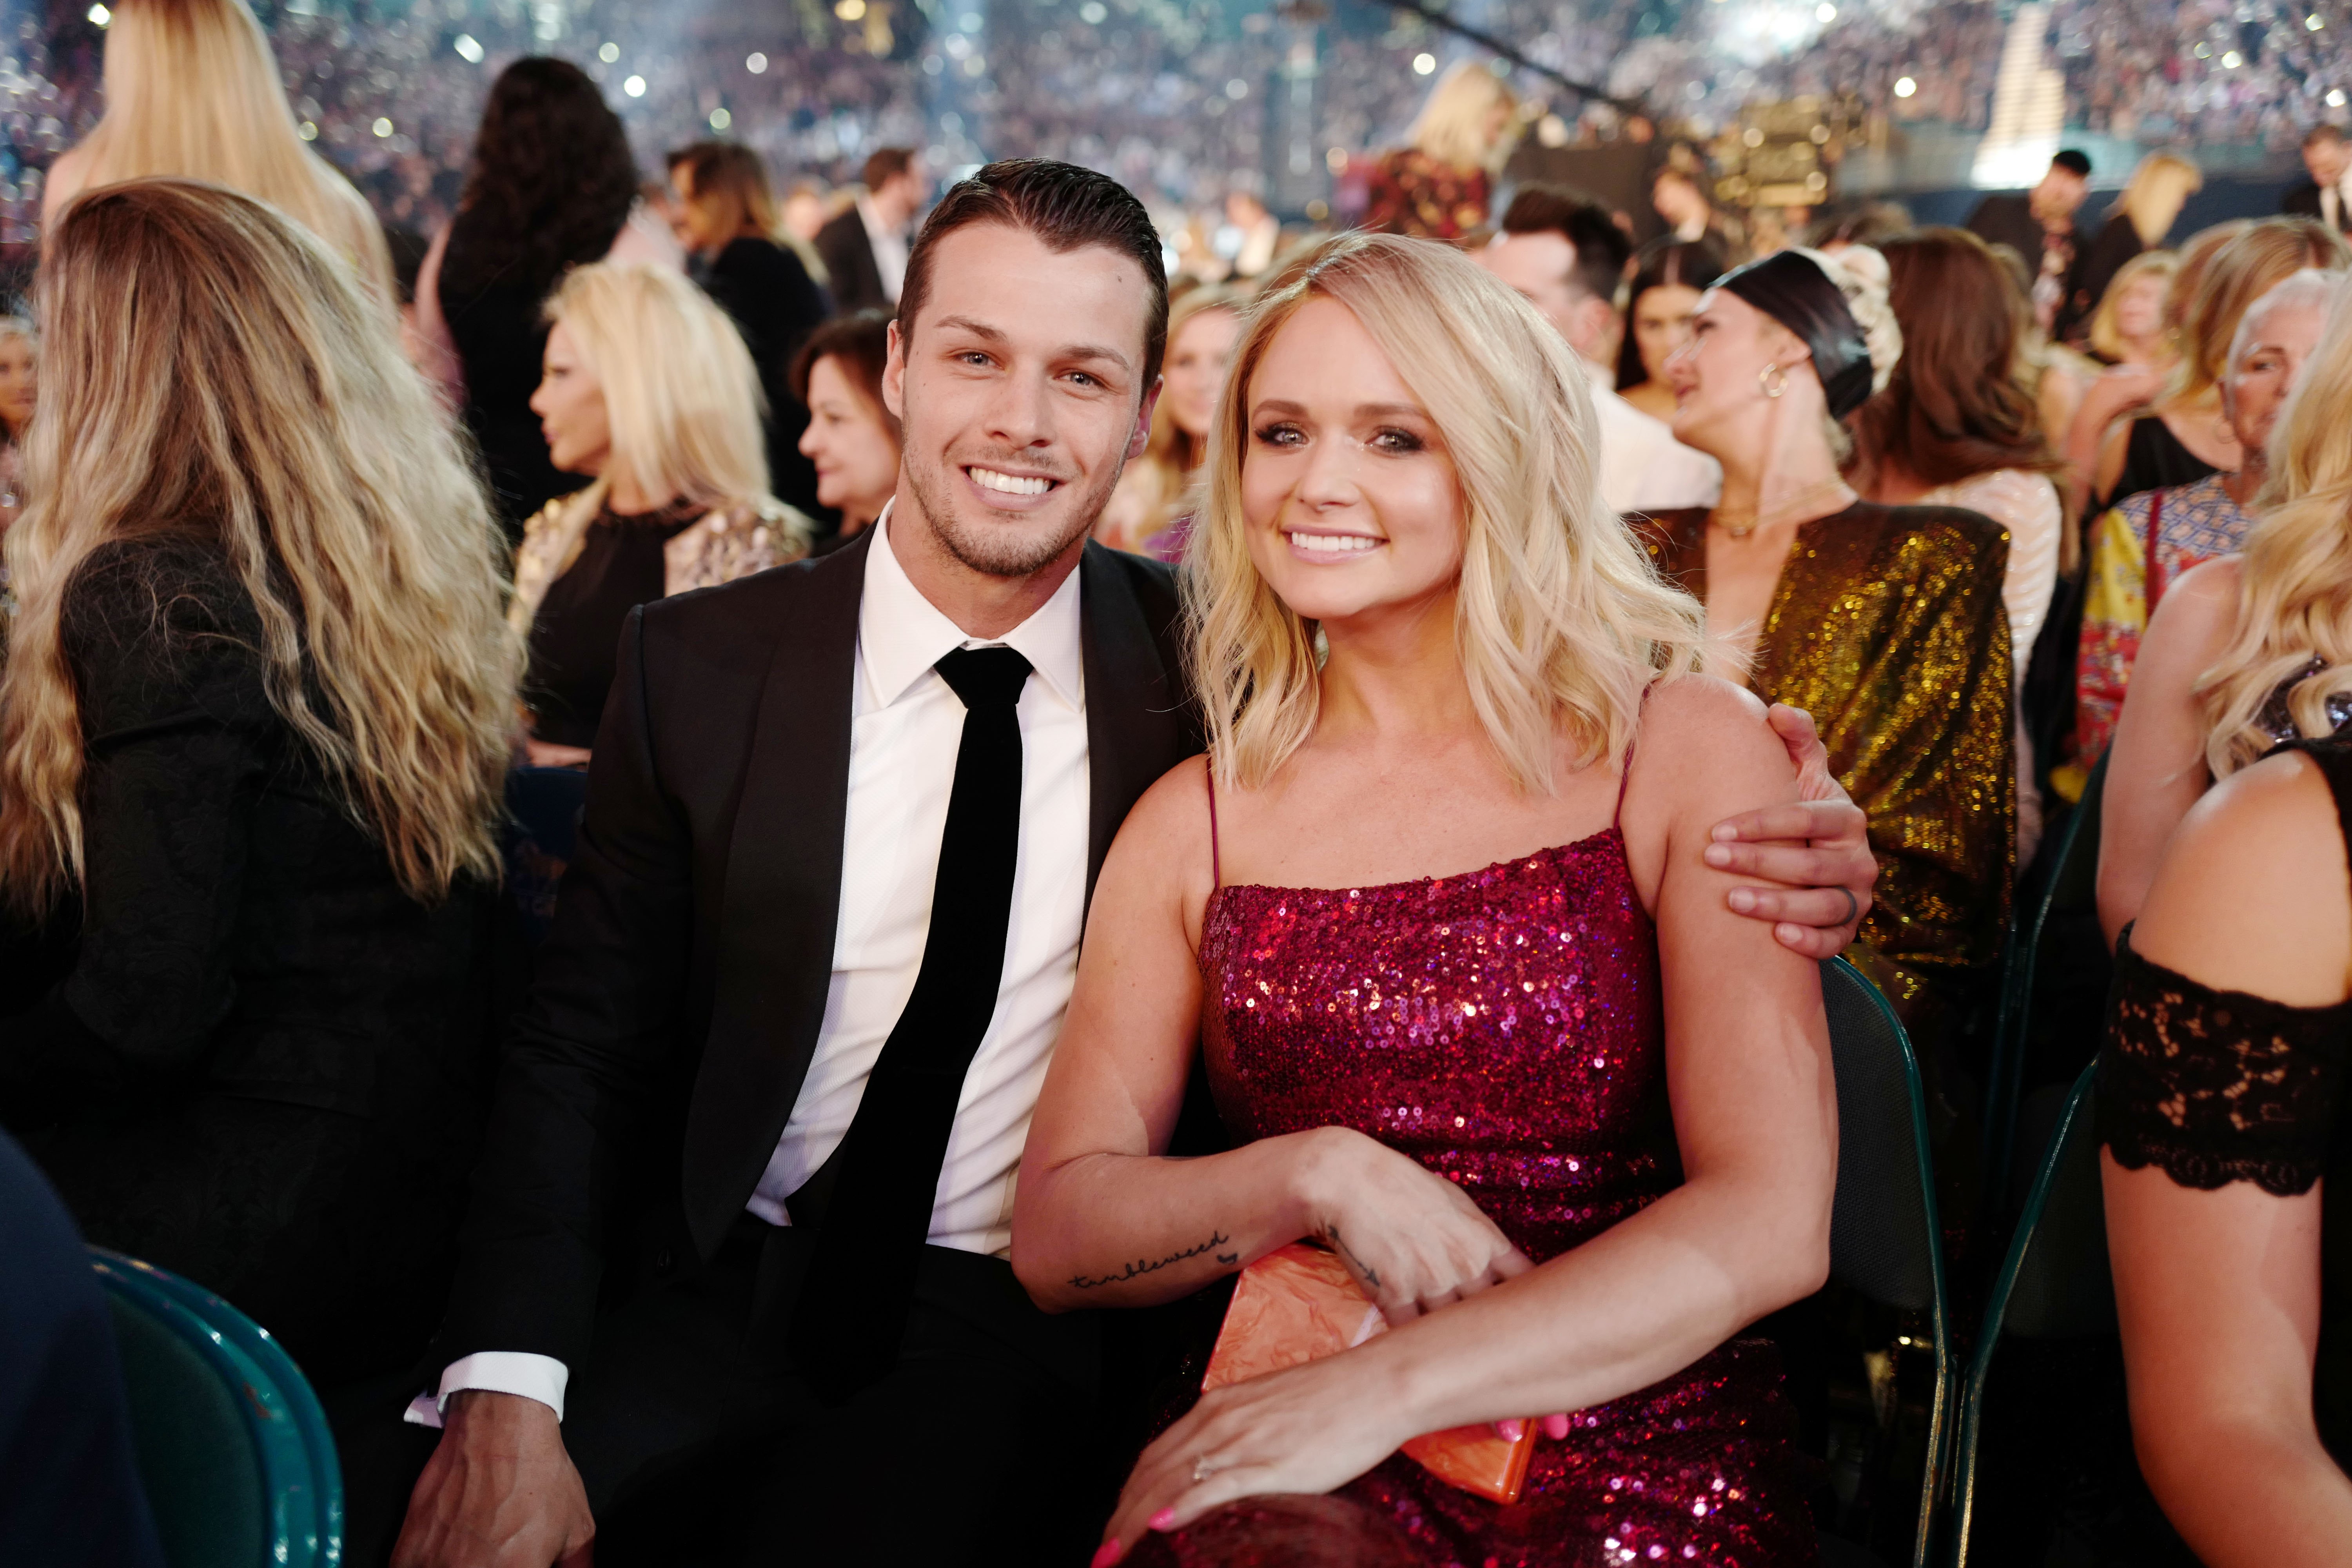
(1330, 1233)
(1139, 1268)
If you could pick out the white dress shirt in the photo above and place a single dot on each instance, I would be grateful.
(1642, 467)
(906, 727)
(888, 245)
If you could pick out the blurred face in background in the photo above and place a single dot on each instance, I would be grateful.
(856, 457)
(1195, 369)
(18, 380)
(2059, 196)
(1719, 377)
(2271, 355)
(570, 404)
(2139, 309)
(803, 214)
(697, 225)
(1662, 323)
(2326, 159)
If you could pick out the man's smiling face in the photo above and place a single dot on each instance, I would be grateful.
(1020, 387)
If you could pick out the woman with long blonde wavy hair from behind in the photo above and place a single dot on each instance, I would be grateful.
(254, 725)
(193, 92)
(1437, 915)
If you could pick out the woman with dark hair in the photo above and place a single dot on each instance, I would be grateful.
(552, 185)
(1956, 428)
(1884, 621)
(852, 440)
(726, 217)
(1669, 274)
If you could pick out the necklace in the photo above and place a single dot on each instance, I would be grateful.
(1791, 507)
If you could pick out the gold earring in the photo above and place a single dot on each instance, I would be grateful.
(1777, 384)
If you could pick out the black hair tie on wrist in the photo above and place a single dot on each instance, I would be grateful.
(1791, 287)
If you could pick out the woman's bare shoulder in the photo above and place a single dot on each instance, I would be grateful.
(2197, 613)
(1702, 738)
(1168, 827)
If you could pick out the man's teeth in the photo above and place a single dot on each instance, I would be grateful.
(1333, 543)
(1011, 484)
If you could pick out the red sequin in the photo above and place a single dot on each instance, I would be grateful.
(1504, 1028)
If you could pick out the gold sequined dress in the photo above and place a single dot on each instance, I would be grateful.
(1887, 627)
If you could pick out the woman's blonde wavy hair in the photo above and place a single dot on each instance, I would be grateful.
(2241, 272)
(1452, 126)
(210, 370)
(193, 92)
(1561, 621)
(680, 389)
(2295, 580)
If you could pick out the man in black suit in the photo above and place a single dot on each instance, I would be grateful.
(2039, 224)
(750, 1175)
(865, 249)
(2326, 159)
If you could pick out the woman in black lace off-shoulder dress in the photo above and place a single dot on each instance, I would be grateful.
(2229, 1167)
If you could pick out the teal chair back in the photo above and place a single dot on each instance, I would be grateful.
(2054, 1283)
(2072, 888)
(232, 1447)
(1885, 1240)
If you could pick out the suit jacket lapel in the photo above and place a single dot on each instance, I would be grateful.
(1135, 706)
(782, 899)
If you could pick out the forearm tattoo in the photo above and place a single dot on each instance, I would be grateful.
(1372, 1275)
(1140, 1267)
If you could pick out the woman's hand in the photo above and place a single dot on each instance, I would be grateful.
(1308, 1429)
(1411, 1238)
(548, 754)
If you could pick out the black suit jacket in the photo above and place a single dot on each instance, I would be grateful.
(774, 303)
(848, 258)
(2008, 219)
(680, 993)
(2302, 200)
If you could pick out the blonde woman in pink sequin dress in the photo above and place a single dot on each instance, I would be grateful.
(1475, 1009)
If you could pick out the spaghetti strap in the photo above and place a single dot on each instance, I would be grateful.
(1216, 871)
(1625, 776)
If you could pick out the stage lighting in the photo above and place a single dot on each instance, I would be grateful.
(467, 49)
(755, 64)
(1423, 64)
(634, 86)
(101, 15)
(1905, 87)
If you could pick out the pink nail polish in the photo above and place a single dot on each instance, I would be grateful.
(1556, 1426)
(1105, 1554)
(1164, 1519)
(1509, 1430)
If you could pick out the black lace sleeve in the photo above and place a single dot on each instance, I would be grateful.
(2218, 1086)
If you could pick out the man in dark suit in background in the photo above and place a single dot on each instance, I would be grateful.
(865, 249)
(2327, 160)
(2039, 224)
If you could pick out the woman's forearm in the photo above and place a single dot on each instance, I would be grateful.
(1134, 1230)
(1633, 1305)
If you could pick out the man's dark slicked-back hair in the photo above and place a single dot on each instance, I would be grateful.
(1067, 208)
(1601, 248)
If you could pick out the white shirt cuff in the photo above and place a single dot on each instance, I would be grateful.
(536, 1377)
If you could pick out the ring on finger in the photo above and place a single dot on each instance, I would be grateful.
(1853, 907)
(1202, 1469)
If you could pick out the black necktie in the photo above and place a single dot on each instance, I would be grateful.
(852, 1312)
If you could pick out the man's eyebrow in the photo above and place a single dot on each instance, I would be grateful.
(986, 333)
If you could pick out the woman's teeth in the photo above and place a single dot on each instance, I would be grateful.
(1334, 543)
(1012, 485)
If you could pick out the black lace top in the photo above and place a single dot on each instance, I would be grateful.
(2215, 1087)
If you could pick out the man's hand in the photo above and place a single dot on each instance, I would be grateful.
(1829, 879)
(500, 1492)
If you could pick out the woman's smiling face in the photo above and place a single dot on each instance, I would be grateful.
(1350, 501)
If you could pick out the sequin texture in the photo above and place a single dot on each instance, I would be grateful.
(1504, 1027)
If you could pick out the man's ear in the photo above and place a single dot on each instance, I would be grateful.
(1140, 436)
(894, 374)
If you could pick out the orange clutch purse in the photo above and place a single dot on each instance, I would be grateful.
(1300, 1304)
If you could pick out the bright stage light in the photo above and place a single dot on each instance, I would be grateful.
(467, 49)
(634, 86)
(101, 15)
(382, 128)
(720, 119)
(1423, 64)
(1905, 87)
(755, 64)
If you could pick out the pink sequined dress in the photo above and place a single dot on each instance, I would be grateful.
(1504, 1027)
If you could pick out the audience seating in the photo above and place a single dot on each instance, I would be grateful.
(232, 1447)
(2051, 920)
(1885, 1240)
(2053, 1282)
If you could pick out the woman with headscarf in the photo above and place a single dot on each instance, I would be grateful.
(1885, 623)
